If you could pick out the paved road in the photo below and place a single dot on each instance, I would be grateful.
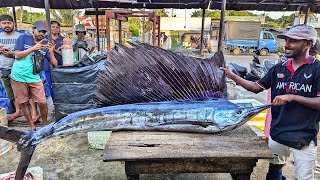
(246, 59)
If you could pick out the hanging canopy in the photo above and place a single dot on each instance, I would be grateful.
(81, 4)
(262, 5)
(269, 5)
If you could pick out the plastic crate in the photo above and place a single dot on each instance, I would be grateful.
(98, 139)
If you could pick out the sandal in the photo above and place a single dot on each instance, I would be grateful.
(36, 119)
(12, 117)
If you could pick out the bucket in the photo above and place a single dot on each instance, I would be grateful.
(67, 57)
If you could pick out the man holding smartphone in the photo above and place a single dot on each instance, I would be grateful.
(8, 38)
(24, 81)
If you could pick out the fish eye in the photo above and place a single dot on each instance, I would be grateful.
(239, 112)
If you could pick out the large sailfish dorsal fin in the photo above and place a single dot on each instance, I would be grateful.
(142, 73)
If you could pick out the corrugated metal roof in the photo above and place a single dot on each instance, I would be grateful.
(268, 5)
(261, 5)
(81, 4)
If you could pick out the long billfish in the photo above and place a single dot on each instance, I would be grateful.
(205, 116)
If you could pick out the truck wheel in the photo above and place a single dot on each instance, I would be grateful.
(264, 52)
(236, 51)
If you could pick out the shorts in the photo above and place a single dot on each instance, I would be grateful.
(7, 86)
(24, 91)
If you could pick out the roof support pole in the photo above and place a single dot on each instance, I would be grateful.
(15, 16)
(108, 32)
(97, 26)
(120, 32)
(202, 29)
(47, 8)
(222, 28)
(154, 29)
(158, 22)
(307, 13)
(143, 28)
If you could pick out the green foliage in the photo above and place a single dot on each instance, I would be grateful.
(64, 16)
(4, 10)
(281, 22)
(215, 15)
(239, 13)
(284, 21)
(134, 25)
(30, 17)
(161, 12)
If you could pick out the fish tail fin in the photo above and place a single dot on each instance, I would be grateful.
(11, 135)
(23, 140)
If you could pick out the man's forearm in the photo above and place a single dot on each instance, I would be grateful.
(53, 60)
(313, 102)
(22, 54)
(248, 85)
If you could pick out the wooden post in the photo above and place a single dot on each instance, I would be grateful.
(307, 14)
(154, 29)
(15, 16)
(47, 9)
(222, 28)
(108, 32)
(158, 21)
(202, 30)
(143, 29)
(120, 34)
(97, 26)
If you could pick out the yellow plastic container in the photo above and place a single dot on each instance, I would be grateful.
(259, 119)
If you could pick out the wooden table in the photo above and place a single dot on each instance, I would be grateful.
(235, 152)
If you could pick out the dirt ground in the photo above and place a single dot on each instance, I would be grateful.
(71, 158)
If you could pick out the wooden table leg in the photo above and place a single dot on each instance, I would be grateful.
(240, 176)
(130, 175)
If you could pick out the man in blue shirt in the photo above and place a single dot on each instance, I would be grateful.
(24, 81)
(295, 94)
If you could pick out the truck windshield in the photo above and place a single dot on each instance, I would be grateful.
(267, 36)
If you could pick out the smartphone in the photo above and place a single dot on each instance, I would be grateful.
(45, 42)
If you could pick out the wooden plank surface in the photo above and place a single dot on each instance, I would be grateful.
(139, 145)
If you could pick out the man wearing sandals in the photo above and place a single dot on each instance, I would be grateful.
(24, 81)
(8, 40)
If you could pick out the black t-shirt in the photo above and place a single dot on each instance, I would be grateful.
(294, 124)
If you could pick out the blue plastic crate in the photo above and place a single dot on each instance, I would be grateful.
(6, 103)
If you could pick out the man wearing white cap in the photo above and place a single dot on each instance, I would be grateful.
(295, 87)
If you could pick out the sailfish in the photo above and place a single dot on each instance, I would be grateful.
(148, 89)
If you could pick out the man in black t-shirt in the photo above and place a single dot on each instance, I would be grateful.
(295, 87)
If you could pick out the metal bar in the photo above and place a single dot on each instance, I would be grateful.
(97, 26)
(154, 30)
(296, 3)
(120, 32)
(222, 28)
(143, 29)
(47, 9)
(307, 14)
(15, 16)
(159, 33)
(108, 32)
(202, 29)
